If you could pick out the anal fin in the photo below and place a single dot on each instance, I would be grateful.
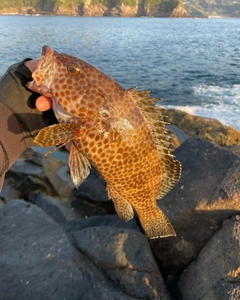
(79, 165)
(123, 208)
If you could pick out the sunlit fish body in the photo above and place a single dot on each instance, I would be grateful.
(121, 132)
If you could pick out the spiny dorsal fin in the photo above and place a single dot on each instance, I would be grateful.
(162, 137)
(155, 119)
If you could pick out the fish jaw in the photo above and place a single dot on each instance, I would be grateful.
(44, 75)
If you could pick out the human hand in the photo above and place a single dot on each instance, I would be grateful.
(43, 103)
(29, 109)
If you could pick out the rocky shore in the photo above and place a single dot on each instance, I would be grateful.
(61, 243)
(99, 9)
(186, 125)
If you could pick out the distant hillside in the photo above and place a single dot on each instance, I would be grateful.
(224, 8)
(152, 8)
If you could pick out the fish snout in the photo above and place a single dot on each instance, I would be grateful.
(47, 51)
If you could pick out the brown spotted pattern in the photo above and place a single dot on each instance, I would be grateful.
(122, 133)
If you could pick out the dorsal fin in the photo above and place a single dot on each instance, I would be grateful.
(162, 137)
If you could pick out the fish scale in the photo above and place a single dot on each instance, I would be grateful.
(121, 132)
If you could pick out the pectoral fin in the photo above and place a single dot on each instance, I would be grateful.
(79, 166)
(57, 134)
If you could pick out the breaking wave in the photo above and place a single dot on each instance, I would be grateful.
(221, 103)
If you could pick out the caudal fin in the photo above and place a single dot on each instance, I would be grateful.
(156, 224)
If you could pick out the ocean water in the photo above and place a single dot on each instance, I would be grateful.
(192, 64)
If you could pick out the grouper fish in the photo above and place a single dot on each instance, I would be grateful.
(122, 133)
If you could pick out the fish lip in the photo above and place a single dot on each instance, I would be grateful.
(38, 88)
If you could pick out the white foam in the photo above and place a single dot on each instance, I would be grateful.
(221, 103)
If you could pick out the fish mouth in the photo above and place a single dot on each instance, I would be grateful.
(43, 76)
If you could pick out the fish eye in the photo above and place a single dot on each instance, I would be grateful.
(73, 68)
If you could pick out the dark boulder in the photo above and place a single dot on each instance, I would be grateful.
(207, 193)
(215, 274)
(39, 259)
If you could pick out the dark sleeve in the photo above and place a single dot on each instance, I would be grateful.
(12, 142)
(20, 121)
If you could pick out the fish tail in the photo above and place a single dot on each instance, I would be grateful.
(156, 224)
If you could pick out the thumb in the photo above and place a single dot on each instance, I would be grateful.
(43, 103)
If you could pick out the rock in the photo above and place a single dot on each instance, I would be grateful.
(40, 261)
(206, 128)
(179, 136)
(33, 172)
(179, 12)
(94, 10)
(86, 190)
(98, 8)
(10, 11)
(126, 257)
(27, 175)
(108, 220)
(108, 258)
(235, 149)
(2, 203)
(166, 9)
(8, 191)
(58, 174)
(208, 192)
(93, 192)
(216, 272)
(55, 208)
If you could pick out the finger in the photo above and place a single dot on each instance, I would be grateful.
(43, 103)
(68, 146)
(32, 64)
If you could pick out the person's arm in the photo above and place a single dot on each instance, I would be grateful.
(20, 120)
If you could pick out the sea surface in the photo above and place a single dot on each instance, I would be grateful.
(192, 64)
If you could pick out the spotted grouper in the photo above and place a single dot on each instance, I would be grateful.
(122, 133)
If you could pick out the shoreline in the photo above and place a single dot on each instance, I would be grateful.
(185, 125)
(114, 16)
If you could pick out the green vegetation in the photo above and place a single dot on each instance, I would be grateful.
(164, 5)
(17, 3)
(108, 3)
(130, 3)
(114, 3)
(61, 3)
(39, 3)
(194, 7)
(213, 7)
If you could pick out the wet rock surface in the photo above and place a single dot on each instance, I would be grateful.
(60, 243)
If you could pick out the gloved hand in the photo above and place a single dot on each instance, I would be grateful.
(22, 102)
